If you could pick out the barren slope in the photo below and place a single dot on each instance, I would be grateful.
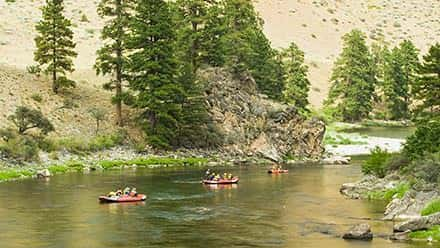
(316, 26)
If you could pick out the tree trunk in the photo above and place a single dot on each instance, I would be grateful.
(118, 86)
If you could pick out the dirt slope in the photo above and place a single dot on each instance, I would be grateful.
(316, 26)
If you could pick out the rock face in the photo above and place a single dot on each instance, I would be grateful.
(410, 206)
(359, 232)
(420, 223)
(253, 125)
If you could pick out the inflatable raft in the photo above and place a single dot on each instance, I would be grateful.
(124, 198)
(277, 171)
(222, 181)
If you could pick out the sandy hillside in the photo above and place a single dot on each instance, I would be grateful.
(316, 26)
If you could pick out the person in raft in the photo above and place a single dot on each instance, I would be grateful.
(216, 176)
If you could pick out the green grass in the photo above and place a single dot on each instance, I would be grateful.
(108, 164)
(387, 195)
(431, 208)
(14, 174)
(72, 166)
(433, 232)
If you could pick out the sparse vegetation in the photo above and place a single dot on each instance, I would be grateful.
(431, 208)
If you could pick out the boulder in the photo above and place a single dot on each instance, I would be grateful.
(420, 223)
(359, 232)
(409, 206)
(43, 173)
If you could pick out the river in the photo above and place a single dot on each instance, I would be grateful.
(300, 209)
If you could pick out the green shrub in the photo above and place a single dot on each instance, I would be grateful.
(398, 162)
(26, 119)
(20, 148)
(387, 195)
(426, 140)
(37, 97)
(427, 168)
(98, 143)
(107, 164)
(431, 208)
(34, 69)
(377, 163)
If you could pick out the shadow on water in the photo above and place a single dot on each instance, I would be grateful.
(300, 209)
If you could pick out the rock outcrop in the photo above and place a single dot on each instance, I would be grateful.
(359, 232)
(410, 205)
(367, 184)
(256, 126)
(420, 223)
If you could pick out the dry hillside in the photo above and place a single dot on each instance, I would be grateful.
(316, 26)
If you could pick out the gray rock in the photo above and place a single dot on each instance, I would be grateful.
(336, 160)
(43, 173)
(410, 206)
(359, 232)
(420, 223)
(400, 236)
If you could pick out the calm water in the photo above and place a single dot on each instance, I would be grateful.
(300, 209)
(387, 132)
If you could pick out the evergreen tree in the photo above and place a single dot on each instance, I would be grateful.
(195, 125)
(297, 85)
(55, 46)
(112, 57)
(399, 74)
(153, 68)
(427, 88)
(249, 50)
(353, 78)
(213, 51)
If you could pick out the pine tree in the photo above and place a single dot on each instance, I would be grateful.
(195, 125)
(153, 68)
(112, 57)
(297, 85)
(426, 89)
(399, 74)
(55, 46)
(353, 78)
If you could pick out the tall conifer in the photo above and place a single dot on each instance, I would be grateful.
(112, 57)
(55, 46)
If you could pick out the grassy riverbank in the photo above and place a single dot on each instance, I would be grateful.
(76, 166)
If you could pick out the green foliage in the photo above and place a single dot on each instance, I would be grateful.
(14, 174)
(54, 42)
(37, 97)
(432, 233)
(297, 85)
(425, 140)
(194, 125)
(81, 145)
(340, 140)
(153, 68)
(20, 148)
(427, 168)
(34, 69)
(388, 195)
(84, 18)
(353, 79)
(431, 208)
(25, 119)
(399, 74)
(112, 57)
(377, 163)
(426, 89)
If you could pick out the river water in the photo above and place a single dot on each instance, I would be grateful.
(300, 209)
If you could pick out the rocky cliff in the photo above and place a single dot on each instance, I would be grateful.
(254, 125)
